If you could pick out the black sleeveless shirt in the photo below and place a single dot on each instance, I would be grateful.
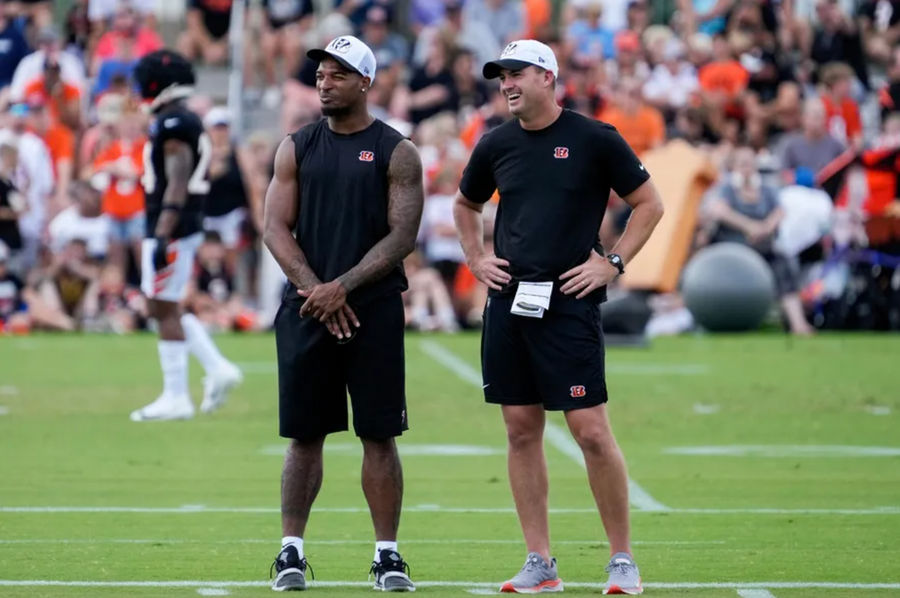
(343, 187)
(226, 192)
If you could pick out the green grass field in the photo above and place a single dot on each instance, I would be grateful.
(804, 502)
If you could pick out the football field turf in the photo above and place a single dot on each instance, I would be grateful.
(760, 467)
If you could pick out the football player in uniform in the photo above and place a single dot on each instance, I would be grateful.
(176, 160)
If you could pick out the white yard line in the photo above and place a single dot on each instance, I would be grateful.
(555, 434)
(755, 594)
(792, 451)
(314, 542)
(686, 585)
(212, 591)
(189, 510)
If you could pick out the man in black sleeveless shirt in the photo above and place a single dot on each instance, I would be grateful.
(542, 345)
(342, 212)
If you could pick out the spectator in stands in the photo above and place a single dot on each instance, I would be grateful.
(707, 16)
(77, 28)
(504, 18)
(206, 32)
(212, 297)
(13, 48)
(628, 62)
(580, 88)
(32, 66)
(63, 294)
(60, 143)
(127, 41)
(637, 16)
(841, 110)
(836, 39)
(458, 32)
(745, 210)
(228, 200)
(672, 82)
(284, 25)
(82, 221)
(438, 234)
(101, 12)
(432, 86)
(62, 100)
(117, 171)
(391, 49)
(13, 309)
(588, 37)
(427, 302)
(805, 153)
(889, 97)
(470, 92)
(880, 24)
(98, 137)
(34, 178)
(639, 123)
(120, 307)
(12, 202)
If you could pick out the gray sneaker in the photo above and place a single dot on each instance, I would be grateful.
(624, 577)
(536, 576)
(391, 573)
(290, 569)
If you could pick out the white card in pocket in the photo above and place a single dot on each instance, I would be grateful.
(532, 299)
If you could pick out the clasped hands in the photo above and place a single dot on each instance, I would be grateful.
(327, 302)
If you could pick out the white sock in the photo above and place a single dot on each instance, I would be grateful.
(293, 541)
(173, 358)
(383, 545)
(201, 345)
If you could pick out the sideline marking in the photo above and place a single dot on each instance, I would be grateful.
(878, 409)
(556, 435)
(212, 591)
(190, 510)
(701, 409)
(784, 450)
(686, 585)
(755, 594)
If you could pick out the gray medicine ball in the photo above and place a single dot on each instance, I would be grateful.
(728, 287)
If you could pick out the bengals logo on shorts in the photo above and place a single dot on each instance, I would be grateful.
(576, 392)
(561, 153)
(365, 156)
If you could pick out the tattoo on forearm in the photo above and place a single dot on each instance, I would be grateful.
(405, 198)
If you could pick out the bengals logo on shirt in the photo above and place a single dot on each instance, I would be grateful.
(365, 156)
(561, 153)
(576, 392)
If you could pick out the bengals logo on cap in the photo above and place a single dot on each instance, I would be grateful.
(365, 156)
(576, 392)
(341, 45)
(561, 153)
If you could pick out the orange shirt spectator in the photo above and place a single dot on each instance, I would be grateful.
(843, 119)
(537, 17)
(61, 143)
(727, 77)
(643, 128)
(61, 99)
(124, 197)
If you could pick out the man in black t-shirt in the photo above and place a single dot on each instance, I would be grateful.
(542, 345)
(206, 31)
(342, 211)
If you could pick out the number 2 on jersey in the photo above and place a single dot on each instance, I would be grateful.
(198, 184)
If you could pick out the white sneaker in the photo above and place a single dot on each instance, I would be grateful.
(217, 385)
(164, 408)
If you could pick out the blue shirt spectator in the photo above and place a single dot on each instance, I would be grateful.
(13, 48)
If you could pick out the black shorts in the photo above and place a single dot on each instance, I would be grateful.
(557, 361)
(315, 372)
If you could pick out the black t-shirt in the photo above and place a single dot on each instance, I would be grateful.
(9, 229)
(227, 191)
(343, 182)
(216, 15)
(181, 124)
(421, 80)
(554, 186)
(10, 295)
(215, 282)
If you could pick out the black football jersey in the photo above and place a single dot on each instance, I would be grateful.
(183, 125)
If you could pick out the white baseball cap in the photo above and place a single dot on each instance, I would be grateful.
(519, 54)
(351, 52)
(217, 115)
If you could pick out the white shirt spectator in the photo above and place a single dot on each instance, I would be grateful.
(70, 225)
(34, 178)
(437, 222)
(673, 89)
(32, 66)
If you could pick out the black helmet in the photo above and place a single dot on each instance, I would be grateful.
(164, 76)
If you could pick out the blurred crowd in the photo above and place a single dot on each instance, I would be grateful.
(795, 102)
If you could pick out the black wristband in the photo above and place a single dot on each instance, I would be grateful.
(170, 207)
